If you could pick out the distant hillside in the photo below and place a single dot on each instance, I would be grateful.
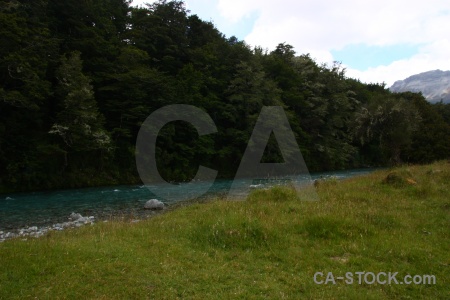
(434, 85)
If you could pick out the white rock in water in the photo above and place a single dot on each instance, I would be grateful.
(154, 204)
(255, 186)
(74, 216)
(66, 224)
(83, 220)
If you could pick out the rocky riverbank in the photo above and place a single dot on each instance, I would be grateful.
(76, 220)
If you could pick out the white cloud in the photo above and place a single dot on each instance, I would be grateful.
(376, 22)
(430, 57)
(238, 9)
(319, 26)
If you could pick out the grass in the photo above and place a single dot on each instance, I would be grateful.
(267, 247)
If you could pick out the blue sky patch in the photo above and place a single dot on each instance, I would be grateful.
(211, 13)
(243, 27)
(362, 57)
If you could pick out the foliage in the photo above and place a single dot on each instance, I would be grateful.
(78, 78)
(79, 123)
(391, 121)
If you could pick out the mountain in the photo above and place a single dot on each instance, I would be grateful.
(434, 85)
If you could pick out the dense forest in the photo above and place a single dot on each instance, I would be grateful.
(78, 78)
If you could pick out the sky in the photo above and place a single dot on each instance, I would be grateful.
(375, 40)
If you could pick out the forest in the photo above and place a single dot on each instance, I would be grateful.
(79, 77)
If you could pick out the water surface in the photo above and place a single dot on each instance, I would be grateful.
(45, 208)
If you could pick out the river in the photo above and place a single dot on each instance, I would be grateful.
(21, 210)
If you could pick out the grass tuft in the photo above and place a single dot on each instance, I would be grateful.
(232, 233)
(399, 178)
(328, 227)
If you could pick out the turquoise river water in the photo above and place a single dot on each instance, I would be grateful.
(44, 208)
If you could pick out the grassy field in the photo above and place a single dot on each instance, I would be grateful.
(267, 247)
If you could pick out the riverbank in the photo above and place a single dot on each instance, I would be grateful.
(45, 209)
(269, 246)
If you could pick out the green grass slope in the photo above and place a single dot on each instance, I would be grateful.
(268, 247)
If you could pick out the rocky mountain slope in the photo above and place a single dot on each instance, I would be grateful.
(434, 85)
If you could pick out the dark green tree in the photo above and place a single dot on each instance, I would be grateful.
(79, 123)
(391, 121)
(431, 140)
(25, 52)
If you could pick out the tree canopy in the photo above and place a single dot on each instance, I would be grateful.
(78, 78)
